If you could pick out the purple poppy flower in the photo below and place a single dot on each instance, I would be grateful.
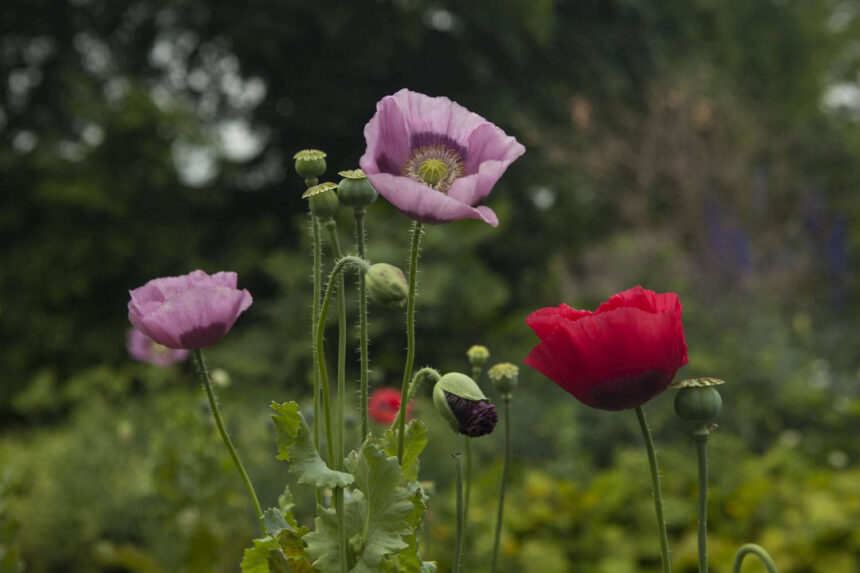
(191, 311)
(143, 348)
(433, 159)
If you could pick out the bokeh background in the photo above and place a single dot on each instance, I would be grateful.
(705, 147)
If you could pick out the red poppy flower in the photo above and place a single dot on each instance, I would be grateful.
(619, 356)
(384, 404)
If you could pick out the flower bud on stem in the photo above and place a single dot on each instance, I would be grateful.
(699, 403)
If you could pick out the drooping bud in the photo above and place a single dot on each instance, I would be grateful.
(504, 377)
(322, 200)
(460, 401)
(697, 400)
(478, 355)
(386, 285)
(355, 190)
(310, 163)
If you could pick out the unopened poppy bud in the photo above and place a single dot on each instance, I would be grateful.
(504, 377)
(460, 401)
(697, 400)
(310, 163)
(387, 285)
(478, 355)
(354, 190)
(322, 200)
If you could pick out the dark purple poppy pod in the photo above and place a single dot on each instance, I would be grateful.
(462, 403)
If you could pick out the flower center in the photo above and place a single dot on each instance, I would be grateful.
(436, 166)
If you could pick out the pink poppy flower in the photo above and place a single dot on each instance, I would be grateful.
(143, 348)
(433, 159)
(190, 311)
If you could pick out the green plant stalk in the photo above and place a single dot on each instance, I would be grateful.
(428, 373)
(476, 376)
(334, 459)
(758, 551)
(701, 438)
(505, 462)
(658, 492)
(331, 225)
(362, 317)
(417, 229)
(315, 320)
(467, 446)
(200, 363)
(461, 516)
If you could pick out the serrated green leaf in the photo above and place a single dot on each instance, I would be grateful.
(282, 553)
(274, 521)
(295, 444)
(413, 445)
(408, 560)
(375, 515)
(256, 558)
(285, 502)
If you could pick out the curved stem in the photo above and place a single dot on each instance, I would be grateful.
(410, 333)
(318, 343)
(702, 454)
(216, 413)
(759, 552)
(335, 454)
(658, 492)
(362, 318)
(331, 226)
(315, 319)
(431, 375)
(461, 516)
(506, 460)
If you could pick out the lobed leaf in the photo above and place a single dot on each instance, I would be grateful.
(294, 444)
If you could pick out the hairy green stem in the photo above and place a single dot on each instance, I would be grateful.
(339, 266)
(701, 438)
(315, 318)
(505, 462)
(331, 226)
(362, 317)
(216, 413)
(461, 516)
(467, 446)
(758, 551)
(417, 229)
(658, 492)
(431, 375)
(335, 455)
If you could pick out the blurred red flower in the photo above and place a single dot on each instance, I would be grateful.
(384, 404)
(619, 356)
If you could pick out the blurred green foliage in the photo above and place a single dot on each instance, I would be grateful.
(703, 147)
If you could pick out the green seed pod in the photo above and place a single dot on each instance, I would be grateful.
(504, 377)
(698, 401)
(478, 355)
(463, 405)
(322, 200)
(355, 190)
(310, 163)
(386, 285)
